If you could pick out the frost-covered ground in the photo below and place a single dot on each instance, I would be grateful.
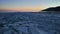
(29, 23)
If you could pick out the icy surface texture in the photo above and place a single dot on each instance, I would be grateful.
(29, 23)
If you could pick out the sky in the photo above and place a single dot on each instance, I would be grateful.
(28, 5)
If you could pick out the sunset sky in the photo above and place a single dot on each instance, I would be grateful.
(27, 5)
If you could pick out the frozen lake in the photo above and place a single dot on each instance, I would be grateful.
(29, 23)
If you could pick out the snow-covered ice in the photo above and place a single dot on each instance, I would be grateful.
(29, 23)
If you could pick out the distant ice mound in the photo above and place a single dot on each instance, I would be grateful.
(53, 9)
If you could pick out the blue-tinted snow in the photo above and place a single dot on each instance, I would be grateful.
(29, 23)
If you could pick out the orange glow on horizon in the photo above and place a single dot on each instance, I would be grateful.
(25, 9)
